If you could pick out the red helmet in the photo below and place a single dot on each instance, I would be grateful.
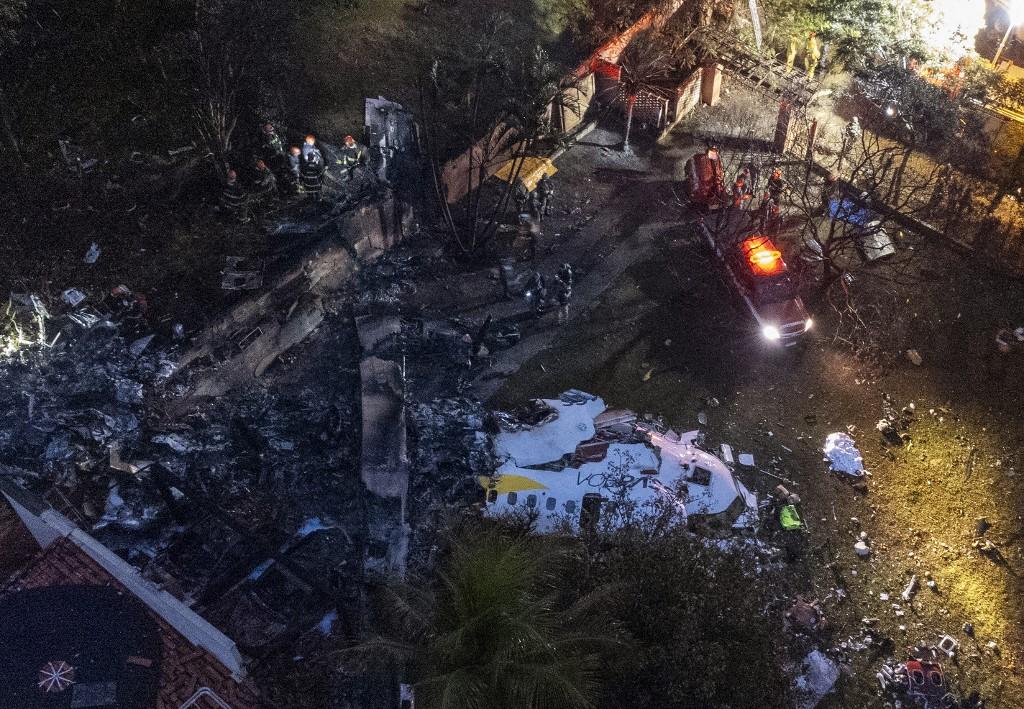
(349, 139)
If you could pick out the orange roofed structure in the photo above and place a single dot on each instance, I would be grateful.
(79, 626)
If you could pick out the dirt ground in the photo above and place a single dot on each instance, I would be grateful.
(669, 338)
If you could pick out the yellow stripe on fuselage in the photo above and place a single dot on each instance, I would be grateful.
(509, 483)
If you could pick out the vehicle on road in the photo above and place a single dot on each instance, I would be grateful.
(764, 283)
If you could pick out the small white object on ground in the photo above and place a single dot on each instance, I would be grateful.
(862, 549)
(326, 623)
(747, 460)
(948, 645)
(842, 453)
(915, 357)
(93, 254)
(72, 296)
(817, 679)
(911, 588)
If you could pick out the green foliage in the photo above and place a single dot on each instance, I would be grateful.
(924, 112)
(647, 615)
(859, 31)
(492, 632)
(695, 619)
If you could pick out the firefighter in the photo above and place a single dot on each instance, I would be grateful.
(812, 54)
(521, 196)
(352, 156)
(768, 213)
(309, 145)
(544, 194)
(538, 293)
(776, 185)
(273, 148)
(529, 231)
(564, 282)
(794, 46)
(941, 186)
(294, 173)
(312, 173)
(741, 189)
(266, 184)
(233, 199)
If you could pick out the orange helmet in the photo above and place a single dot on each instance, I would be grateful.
(310, 139)
(294, 150)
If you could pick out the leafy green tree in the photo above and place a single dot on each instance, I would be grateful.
(695, 616)
(492, 631)
(859, 32)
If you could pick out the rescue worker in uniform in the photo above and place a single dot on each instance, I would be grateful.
(265, 190)
(741, 189)
(233, 199)
(309, 145)
(812, 54)
(312, 173)
(294, 174)
(352, 156)
(564, 283)
(767, 215)
(776, 185)
(794, 46)
(273, 148)
(544, 193)
(529, 231)
(538, 291)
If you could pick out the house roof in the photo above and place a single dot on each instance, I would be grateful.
(194, 655)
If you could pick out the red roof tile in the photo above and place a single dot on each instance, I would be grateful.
(184, 668)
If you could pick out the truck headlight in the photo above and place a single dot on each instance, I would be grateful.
(808, 324)
(771, 332)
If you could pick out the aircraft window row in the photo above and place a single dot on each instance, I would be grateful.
(531, 502)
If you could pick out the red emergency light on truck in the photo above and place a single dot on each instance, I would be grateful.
(762, 279)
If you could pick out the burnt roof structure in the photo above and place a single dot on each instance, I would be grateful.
(80, 627)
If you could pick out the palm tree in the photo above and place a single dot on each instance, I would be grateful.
(644, 64)
(491, 632)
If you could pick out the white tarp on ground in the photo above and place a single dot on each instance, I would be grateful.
(550, 441)
(627, 462)
(818, 677)
(843, 454)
